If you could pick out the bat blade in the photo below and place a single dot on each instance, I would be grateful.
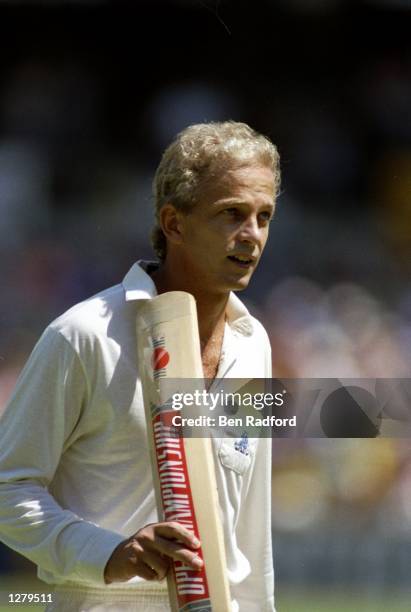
(183, 469)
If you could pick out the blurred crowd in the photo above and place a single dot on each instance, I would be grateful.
(341, 514)
(79, 143)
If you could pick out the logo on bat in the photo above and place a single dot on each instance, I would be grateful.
(160, 358)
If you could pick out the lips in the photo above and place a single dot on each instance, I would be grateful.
(244, 261)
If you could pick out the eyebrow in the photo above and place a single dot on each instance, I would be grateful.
(228, 201)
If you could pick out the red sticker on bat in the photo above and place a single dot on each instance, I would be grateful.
(161, 357)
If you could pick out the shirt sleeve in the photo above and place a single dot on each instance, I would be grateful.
(36, 428)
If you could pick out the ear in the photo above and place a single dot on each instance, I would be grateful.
(171, 223)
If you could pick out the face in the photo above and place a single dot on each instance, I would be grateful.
(224, 235)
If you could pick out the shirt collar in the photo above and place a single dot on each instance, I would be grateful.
(238, 316)
(138, 285)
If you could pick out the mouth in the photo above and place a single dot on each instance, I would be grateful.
(242, 261)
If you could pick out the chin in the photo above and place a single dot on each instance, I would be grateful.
(239, 284)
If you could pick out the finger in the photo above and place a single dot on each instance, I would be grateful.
(157, 563)
(177, 552)
(175, 531)
(135, 566)
(145, 571)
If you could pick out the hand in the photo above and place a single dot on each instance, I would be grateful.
(149, 553)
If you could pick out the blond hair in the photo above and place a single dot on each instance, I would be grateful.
(200, 152)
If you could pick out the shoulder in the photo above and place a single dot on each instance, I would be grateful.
(259, 330)
(262, 343)
(253, 344)
(243, 322)
(91, 318)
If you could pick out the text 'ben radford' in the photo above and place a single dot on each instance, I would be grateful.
(225, 421)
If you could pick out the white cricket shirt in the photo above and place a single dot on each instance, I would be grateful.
(75, 476)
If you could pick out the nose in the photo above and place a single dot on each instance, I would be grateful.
(250, 230)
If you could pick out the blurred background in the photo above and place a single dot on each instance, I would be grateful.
(90, 94)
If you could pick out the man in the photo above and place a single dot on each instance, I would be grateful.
(76, 493)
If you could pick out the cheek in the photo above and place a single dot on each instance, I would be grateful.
(201, 243)
(218, 234)
(264, 238)
(211, 238)
(227, 232)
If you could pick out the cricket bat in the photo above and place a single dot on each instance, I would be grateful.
(168, 346)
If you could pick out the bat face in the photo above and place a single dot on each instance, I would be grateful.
(183, 469)
(177, 505)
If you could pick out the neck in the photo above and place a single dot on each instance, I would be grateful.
(211, 307)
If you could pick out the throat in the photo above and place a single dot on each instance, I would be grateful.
(211, 352)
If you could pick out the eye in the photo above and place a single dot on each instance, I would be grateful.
(266, 216)
(232, 212)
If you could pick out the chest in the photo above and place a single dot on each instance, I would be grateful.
(210, 360)
(211, 354)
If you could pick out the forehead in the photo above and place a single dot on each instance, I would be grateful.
(248, 180)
